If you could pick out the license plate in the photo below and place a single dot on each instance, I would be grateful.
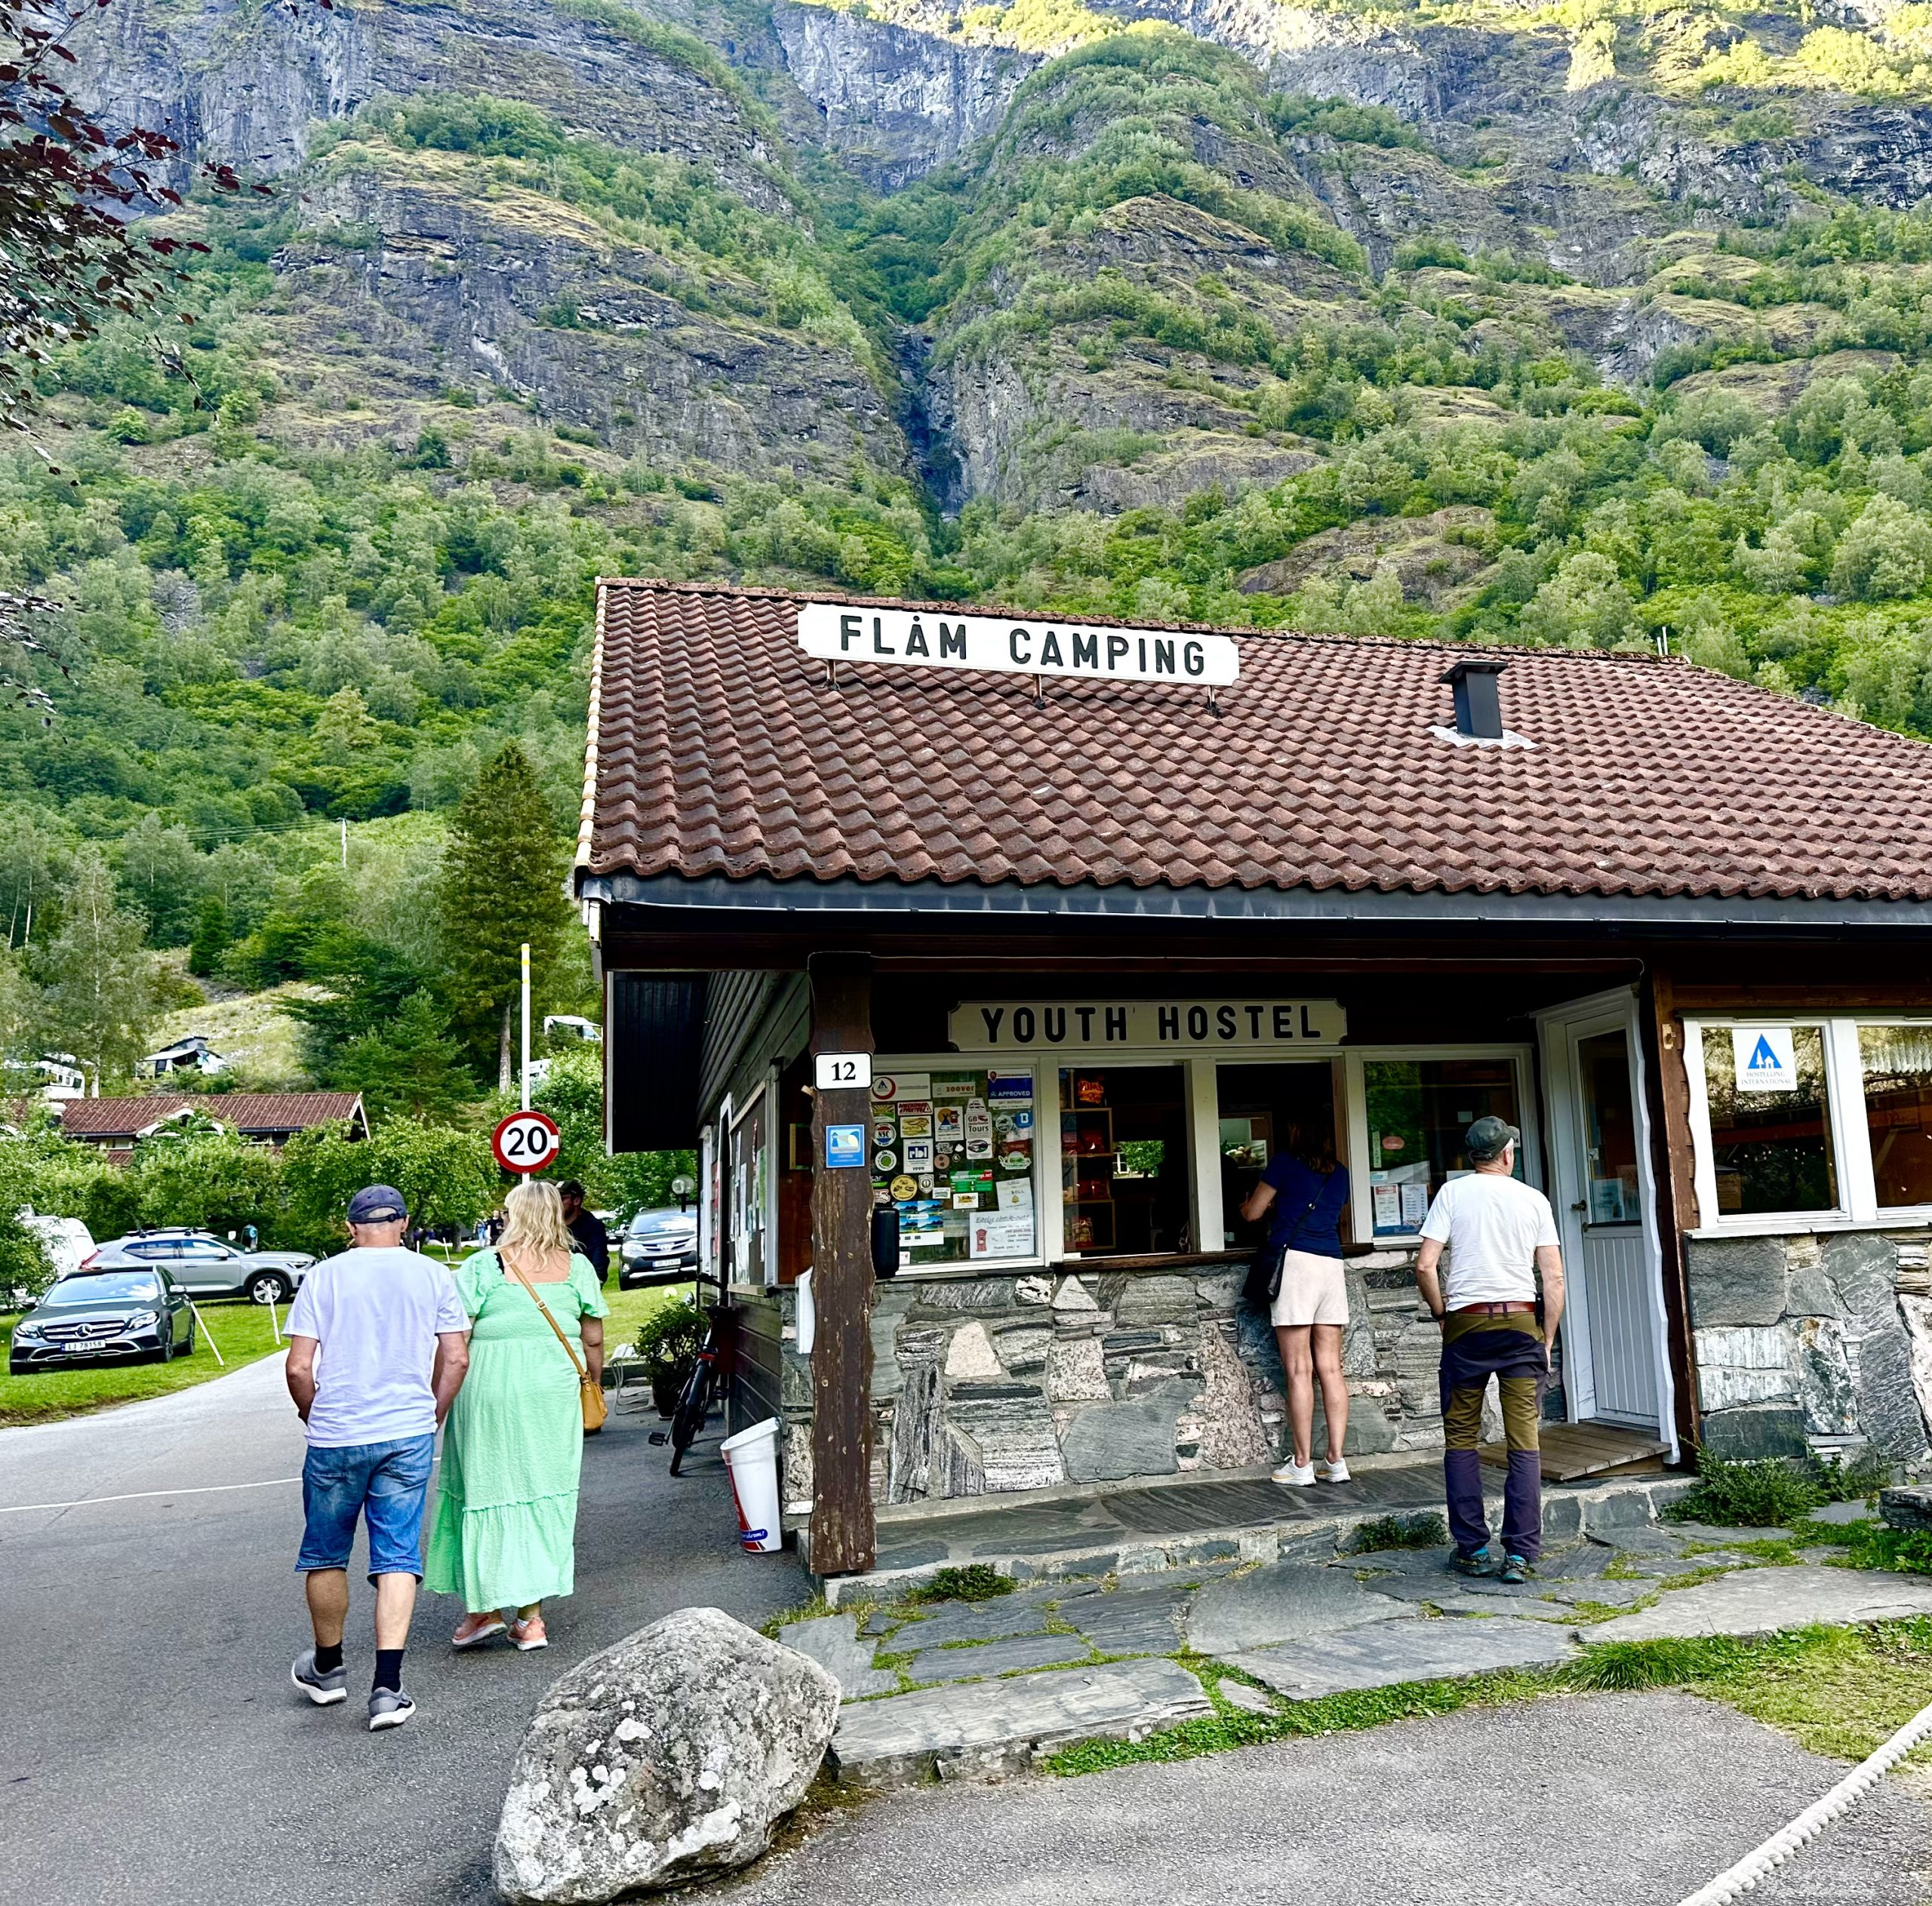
(664, 1264)
(95, 1347)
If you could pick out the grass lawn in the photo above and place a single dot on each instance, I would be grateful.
(241, 1329)
(628, 1308)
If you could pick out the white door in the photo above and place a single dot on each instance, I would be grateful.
(1606, 1191)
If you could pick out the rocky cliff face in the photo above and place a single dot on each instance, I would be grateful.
(1125, 265)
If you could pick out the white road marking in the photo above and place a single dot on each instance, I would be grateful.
(139, 1494)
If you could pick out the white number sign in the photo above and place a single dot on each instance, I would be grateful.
(843, 1072)
(526, 1140)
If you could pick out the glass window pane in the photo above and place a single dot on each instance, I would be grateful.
(1263, 1109)
(953, 1149)
(1418, 1111)
(1897, 1061)
(1610, 1130)
(1123, 1160)
(1771, 1151)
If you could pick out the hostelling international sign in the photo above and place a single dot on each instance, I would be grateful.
(836, 632)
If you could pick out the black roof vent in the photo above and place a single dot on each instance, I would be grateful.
(1478, 707)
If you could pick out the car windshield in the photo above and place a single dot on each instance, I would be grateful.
(107, 1287)
(655, 1224)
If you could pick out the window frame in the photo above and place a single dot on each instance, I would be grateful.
(1845, 1111)
(1522, 1060)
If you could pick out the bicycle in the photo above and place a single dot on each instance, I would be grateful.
(707, 1385)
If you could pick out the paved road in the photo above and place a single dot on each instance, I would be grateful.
(1614, 1800)
(152, 1750)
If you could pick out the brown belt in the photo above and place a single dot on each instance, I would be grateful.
(1490, 1310)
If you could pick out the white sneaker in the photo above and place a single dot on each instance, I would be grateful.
(1295, 1475)
(1337, 1471)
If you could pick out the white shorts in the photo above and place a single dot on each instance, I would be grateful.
(1313, 1291)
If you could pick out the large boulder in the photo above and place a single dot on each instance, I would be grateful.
(666, 1759)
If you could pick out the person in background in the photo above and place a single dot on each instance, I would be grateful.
(505, 1533)
(393, 1343)
(1307, 1192)
(592, 1240)
(1501, 1238)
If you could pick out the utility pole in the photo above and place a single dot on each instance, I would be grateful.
(526, 1026)
(345, 841)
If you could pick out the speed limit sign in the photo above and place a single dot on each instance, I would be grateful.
(526, 1140)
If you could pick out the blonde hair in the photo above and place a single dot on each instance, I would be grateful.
(533, 1221)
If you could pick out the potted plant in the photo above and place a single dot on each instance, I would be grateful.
(668, 1343)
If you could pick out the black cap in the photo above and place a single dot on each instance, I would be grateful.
(377, 1204)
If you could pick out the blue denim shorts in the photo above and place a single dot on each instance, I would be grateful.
(387, 1483)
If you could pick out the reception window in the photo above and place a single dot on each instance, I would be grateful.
(1124, 1161)
(1417, 1110)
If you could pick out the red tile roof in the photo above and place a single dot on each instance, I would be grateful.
(718, 748)
(250, 1113)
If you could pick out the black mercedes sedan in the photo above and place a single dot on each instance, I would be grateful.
(99, 1316)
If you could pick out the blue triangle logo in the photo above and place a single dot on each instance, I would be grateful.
(1763, 1059)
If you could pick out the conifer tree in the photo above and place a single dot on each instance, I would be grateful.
(410, 1068)
(502, 885)
(211, 936)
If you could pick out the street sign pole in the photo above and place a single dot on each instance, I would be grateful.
(525, 1100)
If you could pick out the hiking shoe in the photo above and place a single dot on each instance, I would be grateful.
(388, 1708)
(1475, 1564)
(529, 1635)
(474, 1629)
(1514, 1568)
(1337, 1471)
(324, 1689)
(1294, 1475)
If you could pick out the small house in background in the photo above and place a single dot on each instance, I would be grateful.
(192, 1054)
(574, 1026)
(266, 1117)
(61, 1076)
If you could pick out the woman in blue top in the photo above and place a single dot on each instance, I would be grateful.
(1307, 1192)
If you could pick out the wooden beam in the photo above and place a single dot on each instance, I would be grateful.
(842, 1533)
(1667, 1091)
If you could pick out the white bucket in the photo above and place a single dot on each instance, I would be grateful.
(751, 1457)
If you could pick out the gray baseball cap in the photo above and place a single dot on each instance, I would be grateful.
(377, 1204)
(1487, 1137)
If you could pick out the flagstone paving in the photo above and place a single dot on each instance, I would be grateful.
(996, 1683)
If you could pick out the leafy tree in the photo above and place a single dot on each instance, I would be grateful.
(409, 1067)
(1585, 602)
(161, 873)
(370, 985)
(631, 1182)
(447, 1177)
(1888, 551)
(501, 888)
(212, 1180)
(98, 976)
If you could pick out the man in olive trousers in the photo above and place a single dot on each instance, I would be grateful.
(1501, 1238)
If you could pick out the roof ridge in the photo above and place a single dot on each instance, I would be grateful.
(771, 592)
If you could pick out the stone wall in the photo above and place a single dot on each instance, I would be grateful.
(1817, 1340)
(986, 1382)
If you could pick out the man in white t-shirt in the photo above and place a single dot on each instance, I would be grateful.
(1500, 1236)
(378, 1345)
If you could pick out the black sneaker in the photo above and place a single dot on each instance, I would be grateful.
(324, 1689)
(1514, 1568)
(388, 1708)
(1475, 1564)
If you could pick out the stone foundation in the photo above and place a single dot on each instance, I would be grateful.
(1813, 1340)
(987, 1382)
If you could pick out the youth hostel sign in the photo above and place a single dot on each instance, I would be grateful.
(836, 632)
(1180, 1026)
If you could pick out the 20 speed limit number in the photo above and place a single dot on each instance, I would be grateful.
(526, 1140)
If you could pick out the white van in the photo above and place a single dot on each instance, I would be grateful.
(68, 1242)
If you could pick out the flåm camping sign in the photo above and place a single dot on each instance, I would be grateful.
(837, 632)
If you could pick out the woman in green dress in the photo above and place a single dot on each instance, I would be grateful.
(506, 1529)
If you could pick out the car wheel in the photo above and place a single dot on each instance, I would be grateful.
(186, 1347)
(268, 1287)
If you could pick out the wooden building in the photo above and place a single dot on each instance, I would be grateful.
(1099, 913)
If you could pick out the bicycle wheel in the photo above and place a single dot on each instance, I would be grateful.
(693, 1408)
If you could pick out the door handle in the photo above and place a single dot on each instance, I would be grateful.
(1580, 1205)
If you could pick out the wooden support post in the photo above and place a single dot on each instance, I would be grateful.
(1667, 1088)
(842, 1533)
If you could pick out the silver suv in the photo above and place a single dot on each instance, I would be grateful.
(204, 1265)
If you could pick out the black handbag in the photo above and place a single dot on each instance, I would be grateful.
(1264, 1274)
